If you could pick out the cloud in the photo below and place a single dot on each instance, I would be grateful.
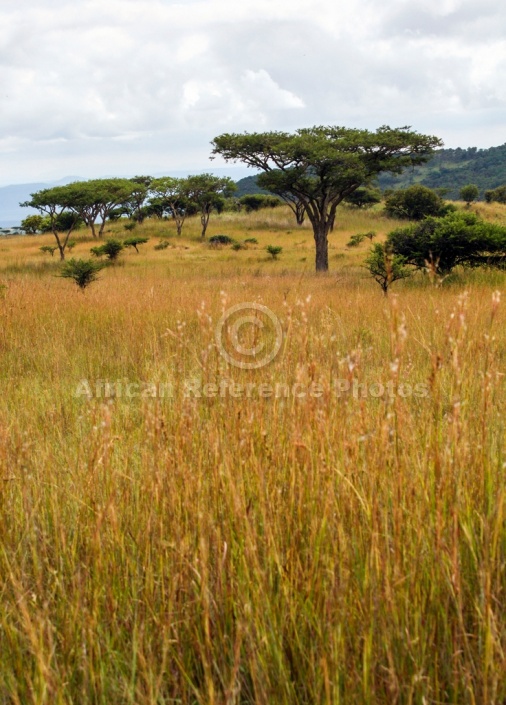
(126, 85)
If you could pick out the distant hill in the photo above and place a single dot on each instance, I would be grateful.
(449, 169)
(248, 185)
(11, 213)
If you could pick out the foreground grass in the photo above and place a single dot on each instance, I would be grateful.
(344, 546)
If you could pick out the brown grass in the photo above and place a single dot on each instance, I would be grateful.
(302, 549)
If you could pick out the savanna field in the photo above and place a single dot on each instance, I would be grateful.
(340, 542)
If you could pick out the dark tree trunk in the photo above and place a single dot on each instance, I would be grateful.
(322, 246)
(204, 219)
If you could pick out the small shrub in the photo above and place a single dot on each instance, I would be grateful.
(251, 241)
(355, 240)
(49, 248)
(130, 226)
(135, 242)
(111, 249)
(82, 271)
(274, 250)
(385, 267)
(162, 245)
(238, 246)
(217, 240)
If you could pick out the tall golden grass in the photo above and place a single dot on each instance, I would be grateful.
(328, 548)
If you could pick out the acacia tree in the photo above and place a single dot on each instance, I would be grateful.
(110, 194)
(321, 166)
(208, 192)
(135, 205)
(98, 198)
(58, 204)
(170, 196)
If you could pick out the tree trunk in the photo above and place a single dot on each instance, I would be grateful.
(320, 231)
(204, 219)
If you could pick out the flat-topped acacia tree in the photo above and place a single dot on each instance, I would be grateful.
(321, 166)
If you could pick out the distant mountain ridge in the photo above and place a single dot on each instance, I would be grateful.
(11, 196)
(449, 169)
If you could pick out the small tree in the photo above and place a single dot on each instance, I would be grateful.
(208, 193)
(48, 248)
(32, 224)
(135, 242)
(111, 249)
(170, 197)
(385, 267)
(364, 197)
(497, 194)
(274, 250)
(469, 193)
(414, 203)
(82, 271)
(58, 204)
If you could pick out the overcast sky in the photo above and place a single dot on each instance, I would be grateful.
(123, 87)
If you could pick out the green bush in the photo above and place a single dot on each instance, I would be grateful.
(274, 250)
(497, 195)
(217, 240)
(48, 248)
(443, 243)
(82, 271)
(415, 203)
(469, 193)
(32, 224)
(385, 267)
(111, 249)
(135, 242)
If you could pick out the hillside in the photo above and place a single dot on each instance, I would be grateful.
(248, 185)
(449, 169)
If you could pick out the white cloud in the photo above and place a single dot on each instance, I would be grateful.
(110, 86)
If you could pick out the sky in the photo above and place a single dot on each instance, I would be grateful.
(122, 87)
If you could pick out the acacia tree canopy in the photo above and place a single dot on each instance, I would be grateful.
(208, 192)
(56, 202)
(170, 195)
(321, 166)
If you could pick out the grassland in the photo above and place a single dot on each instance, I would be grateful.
(328, 545)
